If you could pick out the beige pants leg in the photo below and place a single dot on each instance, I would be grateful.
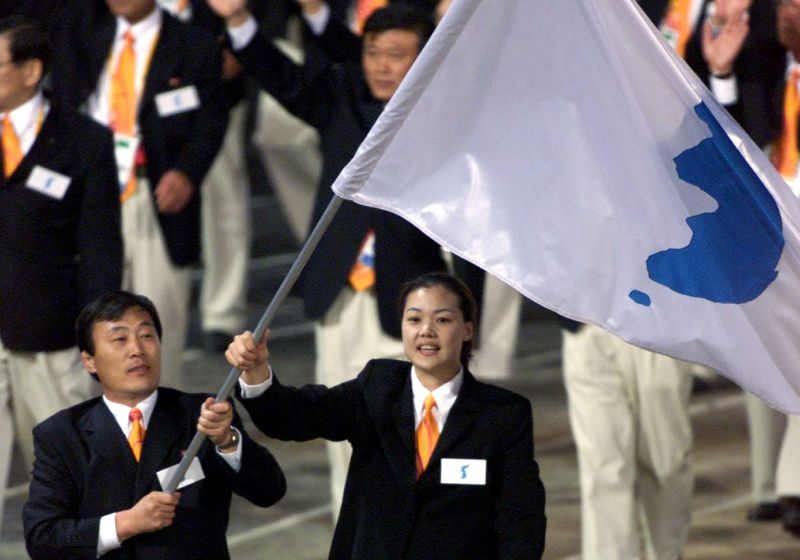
(766, 426)
(6, 428)
(290, 149)
(226, 233)
(347, 338)
(42, 383)
(787, 478)
(149, 271)
(498, 330)
(627, 411)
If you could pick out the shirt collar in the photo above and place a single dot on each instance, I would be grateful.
(121, 411)
(25, 116)
(445, 395)
(149, 24)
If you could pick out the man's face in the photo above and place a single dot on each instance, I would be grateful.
(18, 82)
(131, 10)
(127, 356)
(789, 25)
(386, 59)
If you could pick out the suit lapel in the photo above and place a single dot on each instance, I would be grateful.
(107, 441)
(160, 442)
(165, 59)
(459, 422)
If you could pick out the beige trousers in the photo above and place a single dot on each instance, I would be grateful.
(628, 413)
(148, 270)
(226, 233)
(498, 330)
(33, 387)
(347, 338)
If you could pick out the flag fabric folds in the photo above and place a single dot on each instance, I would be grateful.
(565, 148)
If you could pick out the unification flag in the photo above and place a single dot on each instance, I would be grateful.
(566, 149)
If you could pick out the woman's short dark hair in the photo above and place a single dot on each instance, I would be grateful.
(27, 40)
(466, 303)
(110, 307)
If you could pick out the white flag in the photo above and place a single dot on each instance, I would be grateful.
(565, 148)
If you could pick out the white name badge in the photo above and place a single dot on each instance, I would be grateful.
(193, 474)
(177, 101)
(464, 471)
(125, 155)
(48, 182)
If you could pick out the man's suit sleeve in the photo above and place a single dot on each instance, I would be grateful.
(305, 91)
(260, 479)
(99, 232)
(50, 517)
(520, 521)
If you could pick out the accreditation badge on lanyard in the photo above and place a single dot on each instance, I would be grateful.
(125, 147)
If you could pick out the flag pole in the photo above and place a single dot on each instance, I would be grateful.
(283, 291)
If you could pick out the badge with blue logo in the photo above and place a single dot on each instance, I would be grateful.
(464, 471)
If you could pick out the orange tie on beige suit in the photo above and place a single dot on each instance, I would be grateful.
(123, 101)
(12, 150)
(136, 435)
(427, 435)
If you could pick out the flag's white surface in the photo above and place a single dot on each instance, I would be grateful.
(537, 139)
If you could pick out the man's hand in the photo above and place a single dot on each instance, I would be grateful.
(234, 12)
(215, 421)
(725, 10)
(721, 48)
(253, 359)
(153, 512)
(173, 192)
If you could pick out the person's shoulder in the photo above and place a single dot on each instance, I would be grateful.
(499, 396)
(66, 419)
(197, 36)
(383, 373)
(71, 120)
(180, 398)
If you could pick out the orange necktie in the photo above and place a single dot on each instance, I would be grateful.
(362, 275)
(427, 435)
(364, 9)
(785, 155)
(136, 436)
(123, 100)
(12, 151)
(677, 21)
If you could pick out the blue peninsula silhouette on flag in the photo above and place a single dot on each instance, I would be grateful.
(734, 252)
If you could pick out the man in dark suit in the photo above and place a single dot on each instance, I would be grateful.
(94, 494)
(60, 243)
(443, 465)
(164, 151)
(351, 282)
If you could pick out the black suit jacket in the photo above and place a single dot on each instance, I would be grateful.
(386, 513)
(335, 99)
(58, 254)
(759, 71)
(84, 469)
(185, 55)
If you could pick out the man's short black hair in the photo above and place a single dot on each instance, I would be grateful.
(27, 40)
(399, 15)
(110, 307)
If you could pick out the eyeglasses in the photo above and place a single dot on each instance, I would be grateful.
(7, 63)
